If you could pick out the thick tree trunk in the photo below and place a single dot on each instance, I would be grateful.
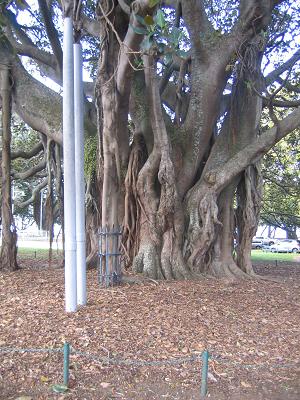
(179, 238)
(111, 189)
(8, 259)
(249, 203)
(221, 262)
(132, 209)
(209, 204)
(162, 218)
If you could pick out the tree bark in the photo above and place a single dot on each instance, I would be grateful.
(249, 196)
(209, 204)
(8, 259)
(162, 220)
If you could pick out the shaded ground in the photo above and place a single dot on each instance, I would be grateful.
(242, 324)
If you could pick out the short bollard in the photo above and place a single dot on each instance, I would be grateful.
(205, 357)
(66, 363)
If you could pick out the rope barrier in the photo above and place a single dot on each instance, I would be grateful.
(119, 361)
(221, 360)
(137, 363)
(204, 357)
(30, 350)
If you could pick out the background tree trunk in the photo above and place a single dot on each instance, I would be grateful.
(8, 259)
(291, 232)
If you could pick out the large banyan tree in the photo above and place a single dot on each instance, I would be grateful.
(186, 98)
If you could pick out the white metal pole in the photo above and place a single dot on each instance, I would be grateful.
(69, 169)
(79, 174)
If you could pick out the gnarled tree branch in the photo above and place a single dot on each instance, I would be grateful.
(51, 32)
(275, 75)
(31, 171)
(28, 154)
(253, 152)
(36, 191)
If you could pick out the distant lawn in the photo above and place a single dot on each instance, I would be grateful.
(256, 255)
(41, 254)
(259, 255)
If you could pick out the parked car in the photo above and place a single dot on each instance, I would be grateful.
(286, 246)
(258, 242)
(267, 241)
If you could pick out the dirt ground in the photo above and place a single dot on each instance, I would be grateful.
(251, 330)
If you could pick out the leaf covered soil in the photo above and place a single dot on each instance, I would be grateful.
(251, 329)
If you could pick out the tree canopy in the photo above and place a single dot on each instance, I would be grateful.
(281, 203)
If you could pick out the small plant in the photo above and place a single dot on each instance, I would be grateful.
(160, 37)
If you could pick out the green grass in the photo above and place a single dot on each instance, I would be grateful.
(28, 253)
(256, 255)
(259, 255)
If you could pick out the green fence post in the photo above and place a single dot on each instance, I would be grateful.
(66, 363)
(205, 357)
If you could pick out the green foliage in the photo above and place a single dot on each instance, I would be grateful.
(160, 35)
(222, 14)
(90, 156)
(281, 171)
(23, 138)
(160, 19)
(283, 30)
